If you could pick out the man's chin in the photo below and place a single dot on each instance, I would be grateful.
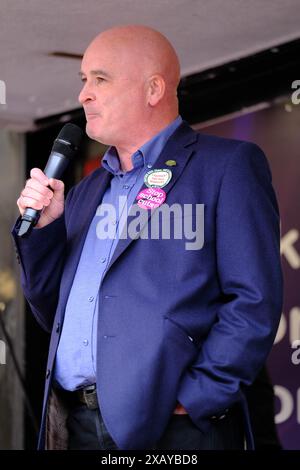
(92, 132)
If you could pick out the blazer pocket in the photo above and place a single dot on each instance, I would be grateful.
(178, 335)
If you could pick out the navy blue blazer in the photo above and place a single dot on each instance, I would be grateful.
(194, 326)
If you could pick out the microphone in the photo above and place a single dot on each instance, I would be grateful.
(64, 149)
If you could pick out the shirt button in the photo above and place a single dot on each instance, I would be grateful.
(114, 222)
(91, 298)
(125, 186)
(85, 342)
(102, 260)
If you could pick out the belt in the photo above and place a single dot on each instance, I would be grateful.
(86, 395)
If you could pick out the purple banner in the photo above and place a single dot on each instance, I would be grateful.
(276, 130)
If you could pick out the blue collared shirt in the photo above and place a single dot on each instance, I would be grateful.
(76, 355)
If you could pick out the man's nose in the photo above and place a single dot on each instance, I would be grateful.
(86, 94)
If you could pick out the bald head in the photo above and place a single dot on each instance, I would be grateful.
(131, 74)
(142, 50)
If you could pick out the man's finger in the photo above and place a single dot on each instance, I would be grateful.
(37, 174)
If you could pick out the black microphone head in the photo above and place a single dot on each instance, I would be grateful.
(68, 140)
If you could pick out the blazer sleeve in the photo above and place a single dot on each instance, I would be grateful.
(249, 273)
(41, 257)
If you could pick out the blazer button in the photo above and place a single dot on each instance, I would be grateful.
(57, 327)
(48, 374)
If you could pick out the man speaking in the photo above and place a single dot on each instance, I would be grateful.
(152, 341)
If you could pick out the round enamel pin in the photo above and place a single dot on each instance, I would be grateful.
(151, 198)
(157, 178)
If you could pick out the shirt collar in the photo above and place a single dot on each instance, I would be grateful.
(146, 155)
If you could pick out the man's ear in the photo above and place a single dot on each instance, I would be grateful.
(156, 89)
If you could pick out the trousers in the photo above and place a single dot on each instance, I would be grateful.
(87, 431)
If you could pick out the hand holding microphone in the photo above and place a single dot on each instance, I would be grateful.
(42, 199)
(37, 195)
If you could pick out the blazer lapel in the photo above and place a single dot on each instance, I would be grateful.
(179, 148)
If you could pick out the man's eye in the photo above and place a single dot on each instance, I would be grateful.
(100, 79)
(83, 79)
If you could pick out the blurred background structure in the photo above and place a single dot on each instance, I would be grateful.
(240, 78)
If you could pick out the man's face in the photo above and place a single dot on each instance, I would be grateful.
(113, 94)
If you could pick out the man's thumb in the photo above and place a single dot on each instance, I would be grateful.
(56, 185)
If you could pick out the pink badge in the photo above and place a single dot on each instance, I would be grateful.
(151, 198)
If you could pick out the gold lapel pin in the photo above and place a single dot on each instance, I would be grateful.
(171, 163)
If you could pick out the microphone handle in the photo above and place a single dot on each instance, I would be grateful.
(56, 165)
